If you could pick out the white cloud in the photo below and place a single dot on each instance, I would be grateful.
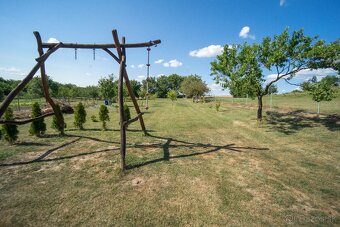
(140, 66)
(317, 72)
(132, 66)
(52, 40)
(12, 71)
(244, 33)
(307, 74)
(217, 89)
(173, 63)
(206, 52)
(88, 74)
(102, 58)
(159, 61)
(140, 78)
(282, 2)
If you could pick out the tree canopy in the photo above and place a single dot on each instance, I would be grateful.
(193, 86)
(241, 67)
(322, 90)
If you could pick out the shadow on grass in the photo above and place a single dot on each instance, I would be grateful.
(165, 146)
(292, 122)
(180, 143)
(25, 143)
(42, 157)
(101, 130)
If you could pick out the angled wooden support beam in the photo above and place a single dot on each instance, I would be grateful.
(48, 53)
(44, 81)
(22, 122)
(112, 55)
(126, 123)
(127, 82)
(117, 44)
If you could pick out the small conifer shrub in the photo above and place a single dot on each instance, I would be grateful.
(104, 115)
(37, 127)
(9, 132)
(79, 116)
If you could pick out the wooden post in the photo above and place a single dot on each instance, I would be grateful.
(127, 81)
(57, 112)
(121, 54)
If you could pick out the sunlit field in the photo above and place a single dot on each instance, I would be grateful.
(196, 167)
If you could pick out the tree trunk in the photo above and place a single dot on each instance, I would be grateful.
(259, 108)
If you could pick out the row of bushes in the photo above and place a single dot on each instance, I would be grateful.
(37, 128)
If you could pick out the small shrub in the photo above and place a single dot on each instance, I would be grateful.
(172, 95)
(104, 115)
(218, 105)
(55, 124)
(79, 116)
(9, 132)
(94, 118)
(37, 127)
(127, 115)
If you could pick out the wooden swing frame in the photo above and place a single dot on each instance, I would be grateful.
(123, 77)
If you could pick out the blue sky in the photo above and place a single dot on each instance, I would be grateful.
(192, 33)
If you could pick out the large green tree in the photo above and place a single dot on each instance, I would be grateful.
(162, 86)
(175, 82)
(193, 86)
(35, 88)
(322, 90)
(152, 85)
(107, 87)
(241, 67)
(136, 87)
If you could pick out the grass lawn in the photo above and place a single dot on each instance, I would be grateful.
(197, 167)
(289, 102)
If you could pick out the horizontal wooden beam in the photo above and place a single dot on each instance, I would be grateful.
(22, 122)
(126, 123)
(101, 46)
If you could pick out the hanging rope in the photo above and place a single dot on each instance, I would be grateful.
(75, 53)
(94, 54)
(147, 79)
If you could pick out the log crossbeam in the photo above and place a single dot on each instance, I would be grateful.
(22, 122)
(101, 46)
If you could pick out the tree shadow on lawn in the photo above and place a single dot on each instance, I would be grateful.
(101, 130)
(29, 143)
(42, 157)
(165, 146)
(292, 122)
(168, 144)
